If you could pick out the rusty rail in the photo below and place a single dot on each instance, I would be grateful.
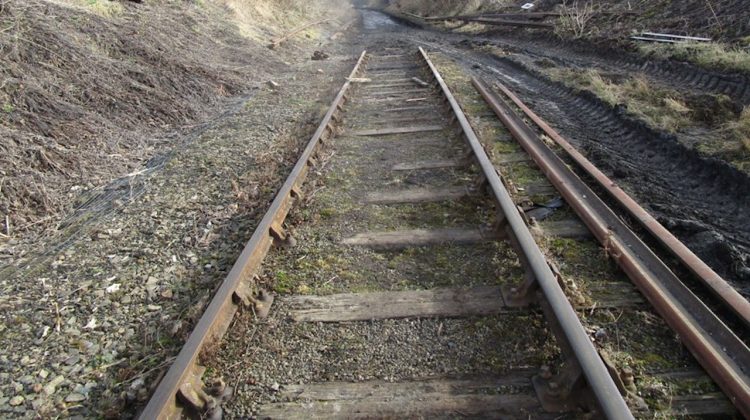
(183, 379)
(721, 353)
(713, 281)
(506, 22)
(529, 15)
(599, 380)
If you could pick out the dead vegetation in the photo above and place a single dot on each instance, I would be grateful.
(660, 107)
(741, 128)
(711, 55)
(574, 18)
(88, 94)
(722, 125)
(448, 7)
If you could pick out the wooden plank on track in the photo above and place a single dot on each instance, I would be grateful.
(538, 188)
(433, 108)
(401, 80)
(714, 404)
(406, 84)
(396, 92)
(421, 237)
(441, 302)
(569, 228)
(425, 119)
(429, 164)
(399, 130)
(389, 67)
(392, 56)
(411, 399)
(417, 195)
(428, 95)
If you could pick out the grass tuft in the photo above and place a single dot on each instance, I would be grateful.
(709, 55)
(661, 108)
(742, 128)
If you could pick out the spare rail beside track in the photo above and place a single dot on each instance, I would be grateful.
(586, 379)
(573, 334)
(714, 344)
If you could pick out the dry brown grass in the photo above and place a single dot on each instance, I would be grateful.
(574, 18)
(87, 96)
(259, 18)
(447, 7)
(711, 55)
(661, 108)
(742, 129)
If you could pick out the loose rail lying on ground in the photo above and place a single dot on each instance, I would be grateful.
(716, 347)
(607, 395)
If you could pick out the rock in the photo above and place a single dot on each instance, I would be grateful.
(275, 386)
(75, 397)
(73, 359)
(320, 55)
(37, 403)
(37, 388)
(17, 400)
(153, 308)
(43, 374)
(51, 387)
(272, 84)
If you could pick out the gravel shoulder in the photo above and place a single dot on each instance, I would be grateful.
(92, 316)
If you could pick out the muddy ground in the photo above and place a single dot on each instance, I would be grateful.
(95, 312)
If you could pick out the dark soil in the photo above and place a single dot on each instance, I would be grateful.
(549, 51)
(687, 192)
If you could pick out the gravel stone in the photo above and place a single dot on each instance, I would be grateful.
(75, 397)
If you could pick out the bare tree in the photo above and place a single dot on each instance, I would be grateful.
(575, 17)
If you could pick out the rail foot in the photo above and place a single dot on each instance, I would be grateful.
(565, 392)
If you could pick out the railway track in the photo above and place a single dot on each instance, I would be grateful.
(411, 281)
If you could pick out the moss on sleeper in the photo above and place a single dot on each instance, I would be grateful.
(632, 337)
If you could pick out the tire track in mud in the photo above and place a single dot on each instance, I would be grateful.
(704, 201)
(679, 75)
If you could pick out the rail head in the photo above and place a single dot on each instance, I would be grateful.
(715, 346)
(713, 281)
(607, 395)
(215, 320)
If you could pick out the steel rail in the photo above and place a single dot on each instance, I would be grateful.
(506, 22)
(607, 395)
(215, 321)
(713, 281)
(721, 353)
